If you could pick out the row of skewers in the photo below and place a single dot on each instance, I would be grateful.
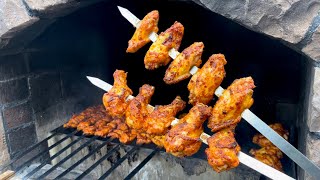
(203, 83)
(136, 119)
(183, 139)
(127, 118)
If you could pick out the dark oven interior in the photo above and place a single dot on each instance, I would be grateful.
(92, 41)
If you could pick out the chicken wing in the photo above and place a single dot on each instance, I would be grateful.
(115, 100)
(93, 127)
(179, 68)
(233, 101)
(206, 80)
(158, 140)
(223, 150)
(270, 155)
(76, 119)
(183, 139)
(137, 110)
(262, 141)
(158, 122)
(158, 54)
(140, 37)
(122, 131)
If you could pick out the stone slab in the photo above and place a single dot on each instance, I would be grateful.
(312, 49)
(56, 8)
(4, 154)
(314, 120)
(13, 16)
(287, 20)
(312, 150)
(45, 90)
(14, 90)
(12, 66)
(18, 115)
(21, 138)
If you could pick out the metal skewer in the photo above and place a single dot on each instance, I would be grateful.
(244, 158)
(247, 115)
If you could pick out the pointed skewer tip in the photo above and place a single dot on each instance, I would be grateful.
(120, 8)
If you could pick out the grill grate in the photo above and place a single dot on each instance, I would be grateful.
(69, 133)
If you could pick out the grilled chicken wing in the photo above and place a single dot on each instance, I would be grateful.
(117, 128)
(140, 37)
(233, 101)
(262, 141)
(76, 119)
(183, 139)
(269, 153)
(158, 54)
(223, 150)
(179, 68)
(158, 140)
(138, 110)
(206, 80)
(91, 130)
(158, 122)
(104, 130)
(122, 131)
(115, 100)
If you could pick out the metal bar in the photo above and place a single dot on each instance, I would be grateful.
(45, 150)
(98, 162)
(83, 159)
(144, 162)
(114, 166)
(52, 157)
(29, 149)
(67, 157)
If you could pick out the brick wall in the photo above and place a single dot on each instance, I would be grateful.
(38, 94)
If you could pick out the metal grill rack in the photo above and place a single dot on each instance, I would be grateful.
(68, 134)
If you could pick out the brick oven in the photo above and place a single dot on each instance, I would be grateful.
(48, 48)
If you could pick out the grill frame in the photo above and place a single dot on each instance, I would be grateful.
(69, 133)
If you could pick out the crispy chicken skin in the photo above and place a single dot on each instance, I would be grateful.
(90, 130)
(143, 138)
(158, 53)
(179, 68)
(140, 37)
(183, 139)
(137, 112)
(233, 101)
(269, 153)
(76, 119)
(158, 122)
(137, 109)
(115, 100)
(96, 121)
(223, 150)
(117, 128)
(122, 131)
(207, 79)
(158, 140)
(262, 141)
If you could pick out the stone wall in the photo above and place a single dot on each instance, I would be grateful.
(35, 99)
(292, 22)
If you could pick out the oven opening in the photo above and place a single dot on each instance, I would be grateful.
(47, 84)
